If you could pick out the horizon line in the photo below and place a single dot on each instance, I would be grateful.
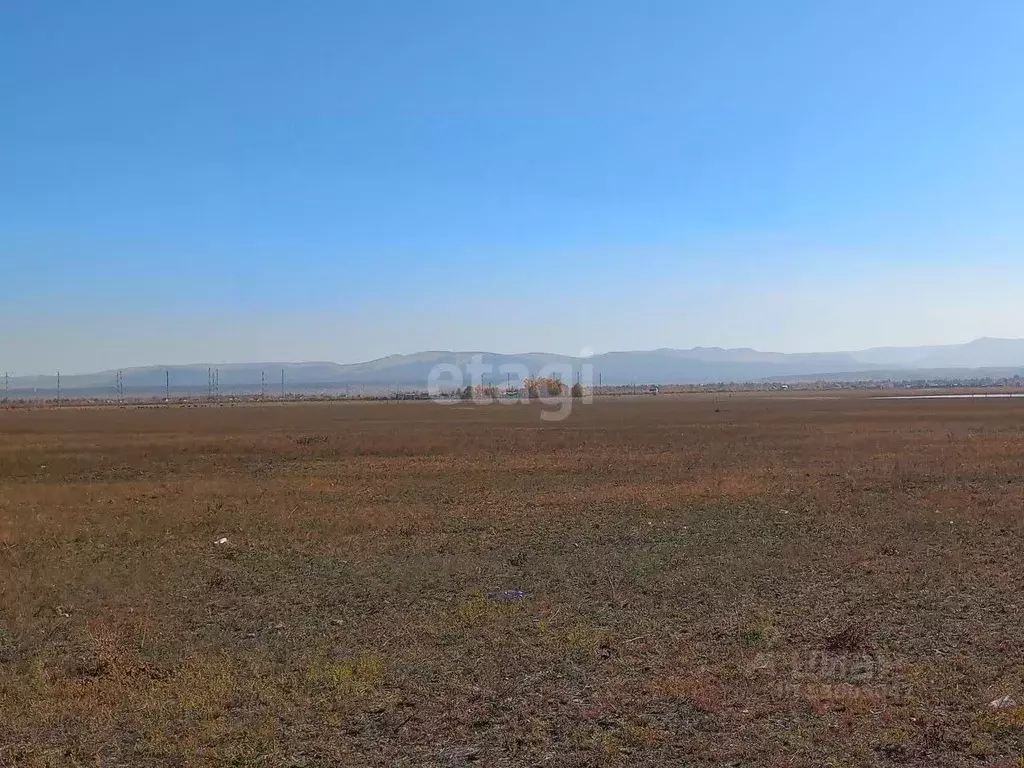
(279, 363)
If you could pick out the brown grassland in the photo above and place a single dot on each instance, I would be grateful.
(781, 581)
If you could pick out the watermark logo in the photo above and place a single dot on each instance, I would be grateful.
(557, 387)
(844, 667)
(823, 675)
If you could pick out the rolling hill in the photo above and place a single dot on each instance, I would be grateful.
(660, 366)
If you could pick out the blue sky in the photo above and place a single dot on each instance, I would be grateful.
(228, 181)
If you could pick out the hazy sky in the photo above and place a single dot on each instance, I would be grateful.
(230, 181)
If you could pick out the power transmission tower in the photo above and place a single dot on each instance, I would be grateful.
(263, 385)
(167, 386)
(120, 387)
(282, 383)
(7, 387)
(216, 384)
(209, 384)
(58, 389)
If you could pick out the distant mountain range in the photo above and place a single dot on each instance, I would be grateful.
(995, 357)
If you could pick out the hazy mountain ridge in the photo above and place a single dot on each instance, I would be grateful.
(980, 353)
(660, 366)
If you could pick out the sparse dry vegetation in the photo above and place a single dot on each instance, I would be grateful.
(748, 581)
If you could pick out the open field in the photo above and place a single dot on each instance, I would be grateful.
(786, 581)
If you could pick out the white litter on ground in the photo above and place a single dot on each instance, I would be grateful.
(1003, 702)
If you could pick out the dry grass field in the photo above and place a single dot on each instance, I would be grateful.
(785, 581)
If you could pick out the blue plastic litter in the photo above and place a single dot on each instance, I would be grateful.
(508, 596)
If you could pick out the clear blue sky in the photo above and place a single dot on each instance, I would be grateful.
(226, 181)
